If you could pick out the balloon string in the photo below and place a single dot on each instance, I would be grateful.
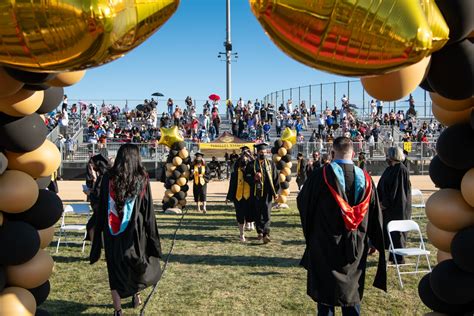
(142, 311)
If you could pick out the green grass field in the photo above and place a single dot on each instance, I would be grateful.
(211, 272)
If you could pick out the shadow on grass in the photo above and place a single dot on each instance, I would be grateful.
(64, 259)
(265, 273)
(252, 261)
(61, 307)
(293, 242)
(200, 238)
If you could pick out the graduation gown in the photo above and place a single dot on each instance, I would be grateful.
(200, 190)
(394, 189)
(133, 256)
(244, 208)
(335, 257)
(301, 172)
(262, 200)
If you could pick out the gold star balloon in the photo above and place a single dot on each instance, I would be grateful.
(353, 38)
(65, 35)
(169, 136)
(289, 135)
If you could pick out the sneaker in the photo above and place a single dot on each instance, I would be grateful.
(260, 236)
(266, 239)
(242, 238)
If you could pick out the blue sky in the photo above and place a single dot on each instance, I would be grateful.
(181, 59)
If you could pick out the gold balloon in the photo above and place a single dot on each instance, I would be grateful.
(439, 238)
(285, 192)
(448, 211)
(286, 171)
(177, 161)
(281, 177)
(18, 191)
(22, 103)
(183, 153)
(166, 199)
(182, 203)
(17, 301)
(287, 144)
(170, 167)
(67, 79)
(72, 35)
(281, 199)
(32, 273)
(397, 84)
(169, 136)
(467, 187)
(186, 174)
(41, 162)
(8, 85)
(282, 151)
(450, 117)
(3, 163)
(169, 193)
(353, 38)
(289, 135)
(168, 173)
(442, 256)
(175, 188)
(276, 158)
(46, 236)
(181, 181)
(451, 105)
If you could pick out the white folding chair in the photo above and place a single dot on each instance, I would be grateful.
(417, 195)
(76, 209)
(406, 226)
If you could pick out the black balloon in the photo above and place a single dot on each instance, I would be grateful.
(279, 165)
(426, 85)
(445, 177)
(462, 249)
(288, 178)
(182, 168)
(181, 195)
(43, 182)
(451, 284)
(429, 298)
(278, 143)
(42, 312)
(173, 201)
(52, 98)
(284, 185)
(472, 119)
(451, 73)
(178, 146)
(185, 188)
(166, 205)
(173, 153)
(167, 186)
(41, 293)
(176, 174)
(19, 242)
(187, 161)
(459, 15)
(455, 146)
(44, 213)
(274, 150)
(29, 77)
(170, 181)
(286, 158)
(36, 87)
(3, 278)
(22, 134)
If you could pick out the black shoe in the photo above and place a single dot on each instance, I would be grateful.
(136, 300)
(118, 313)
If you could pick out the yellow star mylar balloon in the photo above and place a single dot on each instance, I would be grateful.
(65, 35)
(289, 135)
(354, 38)
(169, 136)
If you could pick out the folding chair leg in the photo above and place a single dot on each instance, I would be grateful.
(417, 263)
(84, 241)
(398, 269)
(428, 261)
(59, 240)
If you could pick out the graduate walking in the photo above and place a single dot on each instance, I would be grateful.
(394, 189)
(339, 212)
(200, 177)
(263, 176)
(240, 192)
(126, 228)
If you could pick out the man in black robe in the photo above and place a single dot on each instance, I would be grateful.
(339, 212)
(240, 191)
(313, 164)
(263, 177)
(394, 189)
(300, 171)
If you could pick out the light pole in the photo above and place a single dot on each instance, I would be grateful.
(228, 53)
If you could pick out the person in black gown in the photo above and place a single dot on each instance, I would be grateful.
(126, 229)
(239, 191)
(200, 176)
(339, 210)
(263, 177)
(313, 165)
(394, 189)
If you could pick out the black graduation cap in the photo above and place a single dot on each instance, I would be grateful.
(261, 146)
(199, 154)
(300, 154)
(244, 148)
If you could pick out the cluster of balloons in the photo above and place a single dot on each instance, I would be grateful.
(282, 158)
(177, 169)
(28, 211)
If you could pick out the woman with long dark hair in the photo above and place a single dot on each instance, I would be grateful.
(126, 227)
(200, 177)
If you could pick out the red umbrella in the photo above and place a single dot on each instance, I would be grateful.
(214, 97)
